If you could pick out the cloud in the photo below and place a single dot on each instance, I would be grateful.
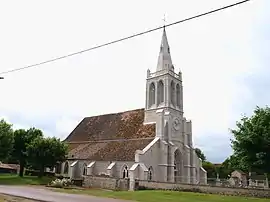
(215, 53)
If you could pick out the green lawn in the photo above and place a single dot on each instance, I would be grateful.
(160, 196)
(8, 179)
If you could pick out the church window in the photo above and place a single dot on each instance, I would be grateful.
(125, 172)
(178, 94)
(150, 173)
(169, 50)
(66, 166)
(152, 93)
(173, 92)
(178, 165)
(160, 91)
(84, 169)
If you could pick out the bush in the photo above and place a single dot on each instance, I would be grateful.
(60, 183)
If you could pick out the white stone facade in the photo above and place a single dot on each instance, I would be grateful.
(172, 154)
(170, 157)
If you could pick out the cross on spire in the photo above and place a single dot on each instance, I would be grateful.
(164, 21)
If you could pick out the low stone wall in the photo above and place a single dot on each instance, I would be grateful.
(106, 183)
(123, 184)
(260, 193)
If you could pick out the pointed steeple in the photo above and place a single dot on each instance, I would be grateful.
(164, 58)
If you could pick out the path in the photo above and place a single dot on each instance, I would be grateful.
(45, 195)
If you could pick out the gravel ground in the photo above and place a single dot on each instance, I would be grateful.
(43, 194)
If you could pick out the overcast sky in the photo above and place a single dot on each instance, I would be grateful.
(223, 59)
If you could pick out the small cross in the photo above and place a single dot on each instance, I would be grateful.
(164, 20)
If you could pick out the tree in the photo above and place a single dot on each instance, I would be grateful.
(210, 168)
(6, 140)
(22, 139)
(46, 152)
(200, 154)
(251, 143)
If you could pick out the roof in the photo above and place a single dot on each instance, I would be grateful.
(122, 150)
(164, 58)
(240, 171)
(9, 166)
(112, 137)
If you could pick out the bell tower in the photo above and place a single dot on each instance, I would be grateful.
(163, 87)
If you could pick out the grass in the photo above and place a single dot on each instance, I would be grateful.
(160, 196)
(8, 179)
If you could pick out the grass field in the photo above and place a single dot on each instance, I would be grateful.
(8, 179)
(160, 196)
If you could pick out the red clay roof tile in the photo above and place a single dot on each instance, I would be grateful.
(111, 136)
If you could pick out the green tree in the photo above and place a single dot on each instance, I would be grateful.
(6, 140)
(251, 142)
(22, 139)
(46, 152)
(200, 154)
(210, 169)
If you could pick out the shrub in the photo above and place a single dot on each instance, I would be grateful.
(60, 183)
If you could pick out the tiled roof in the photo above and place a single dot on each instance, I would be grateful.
(109, 150)
(111, 136)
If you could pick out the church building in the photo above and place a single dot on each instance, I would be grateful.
(153, 143)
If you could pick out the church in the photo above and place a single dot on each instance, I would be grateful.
(153, 143)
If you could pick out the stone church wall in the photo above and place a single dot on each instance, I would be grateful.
(151, 158)
(119, 167)
(150, 116)
(123, 184)
(106, 183)
(101, 167)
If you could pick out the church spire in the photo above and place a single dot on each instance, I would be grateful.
(164, 58)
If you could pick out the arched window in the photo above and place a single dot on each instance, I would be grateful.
(84, 169)
(173, 92)
(125, 172)
(160, 91)
(150, 173)
(178, 94)
(66, 166)
(178, 166)
(152, 93)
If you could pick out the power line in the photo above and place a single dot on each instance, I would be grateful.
(125, 38)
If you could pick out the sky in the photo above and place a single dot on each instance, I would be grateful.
(223, 58)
